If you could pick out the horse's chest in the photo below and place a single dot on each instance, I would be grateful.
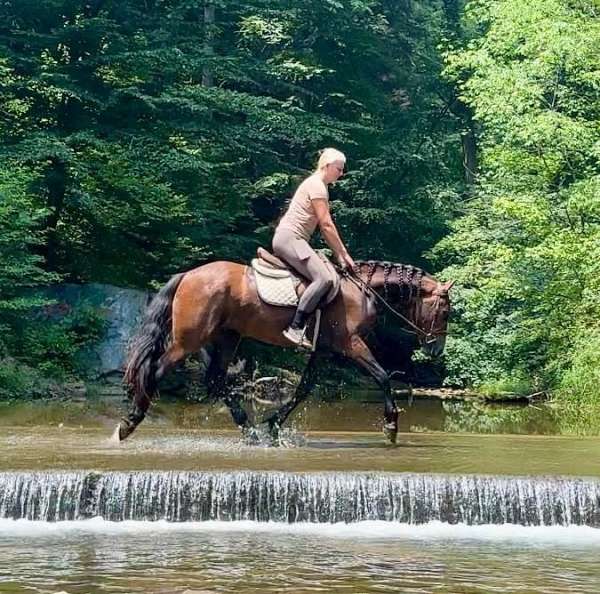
(371, 310)
(360, 314)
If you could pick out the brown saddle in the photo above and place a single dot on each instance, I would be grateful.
(268, 260)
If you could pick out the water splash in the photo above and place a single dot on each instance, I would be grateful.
(325, 498)
(578, 536)
(260, 436)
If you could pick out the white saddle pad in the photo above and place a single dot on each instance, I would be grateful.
(276, 287)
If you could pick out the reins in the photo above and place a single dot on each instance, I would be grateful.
(366, 287)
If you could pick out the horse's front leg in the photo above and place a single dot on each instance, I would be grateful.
(359, 352)
(303, 390)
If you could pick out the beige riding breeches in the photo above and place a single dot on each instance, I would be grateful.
(298, 254)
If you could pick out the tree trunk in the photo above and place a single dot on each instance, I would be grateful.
(469, 147)
(468, 140)
(209, 23)
(56, 183)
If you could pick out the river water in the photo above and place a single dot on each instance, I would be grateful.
(250, 557)
(187, 505)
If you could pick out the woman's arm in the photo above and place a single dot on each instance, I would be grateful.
(330, 232)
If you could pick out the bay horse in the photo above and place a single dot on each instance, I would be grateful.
(218, 303)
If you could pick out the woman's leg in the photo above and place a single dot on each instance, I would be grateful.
(314, 269)
(298, 254)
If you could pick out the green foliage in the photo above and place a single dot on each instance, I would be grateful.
(525, 250)
(16, 380)
(139, 157)
(581, 381)
(20, 235)
(20, 269)
(51, 344)
(577, 394)
(138, 140)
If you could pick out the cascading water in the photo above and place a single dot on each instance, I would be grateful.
(291, 498)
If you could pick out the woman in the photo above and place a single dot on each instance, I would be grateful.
(309, 207)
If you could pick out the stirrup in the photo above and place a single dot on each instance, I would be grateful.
(296, 336)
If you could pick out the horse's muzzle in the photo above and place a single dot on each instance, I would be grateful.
(433, 346)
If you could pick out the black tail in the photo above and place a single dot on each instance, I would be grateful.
(150, 343)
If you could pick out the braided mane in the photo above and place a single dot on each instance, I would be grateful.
(406, 277)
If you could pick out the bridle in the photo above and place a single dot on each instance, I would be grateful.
(428, 337)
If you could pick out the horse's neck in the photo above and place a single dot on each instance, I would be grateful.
(413, 282)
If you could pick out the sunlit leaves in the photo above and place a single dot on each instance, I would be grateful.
(529, 241)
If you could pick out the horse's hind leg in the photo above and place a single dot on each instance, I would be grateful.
(303, 390)
(225, 347)
(173, 355)
(136, 415)
(189, 318)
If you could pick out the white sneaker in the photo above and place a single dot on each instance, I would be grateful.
(296, 335)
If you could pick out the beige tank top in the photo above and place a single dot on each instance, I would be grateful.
(300, 216)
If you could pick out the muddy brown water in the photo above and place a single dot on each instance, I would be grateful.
(94, 555)
(335, 436)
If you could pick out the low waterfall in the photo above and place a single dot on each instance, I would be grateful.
(288, 497)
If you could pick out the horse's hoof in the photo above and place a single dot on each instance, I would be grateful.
(390, 430)
(122, 431)
(256, 435)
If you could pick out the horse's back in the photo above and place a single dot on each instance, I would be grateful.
(223, 295)
(215, 276)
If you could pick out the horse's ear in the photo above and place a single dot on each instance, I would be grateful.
(448, 285)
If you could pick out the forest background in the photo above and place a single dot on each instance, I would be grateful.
(143, 137)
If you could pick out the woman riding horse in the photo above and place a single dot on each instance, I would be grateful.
(309, 207)
(218, 304)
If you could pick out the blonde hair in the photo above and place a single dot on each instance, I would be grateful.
(328, 156)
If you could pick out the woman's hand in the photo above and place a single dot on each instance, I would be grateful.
(345, 261)
(330, 233)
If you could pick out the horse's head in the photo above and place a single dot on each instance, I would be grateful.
(420, 301)
(432, 317)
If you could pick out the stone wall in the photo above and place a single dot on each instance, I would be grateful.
(122, 311)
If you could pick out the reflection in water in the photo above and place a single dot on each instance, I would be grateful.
(480, 417)
(361, 413)
(249, 559)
